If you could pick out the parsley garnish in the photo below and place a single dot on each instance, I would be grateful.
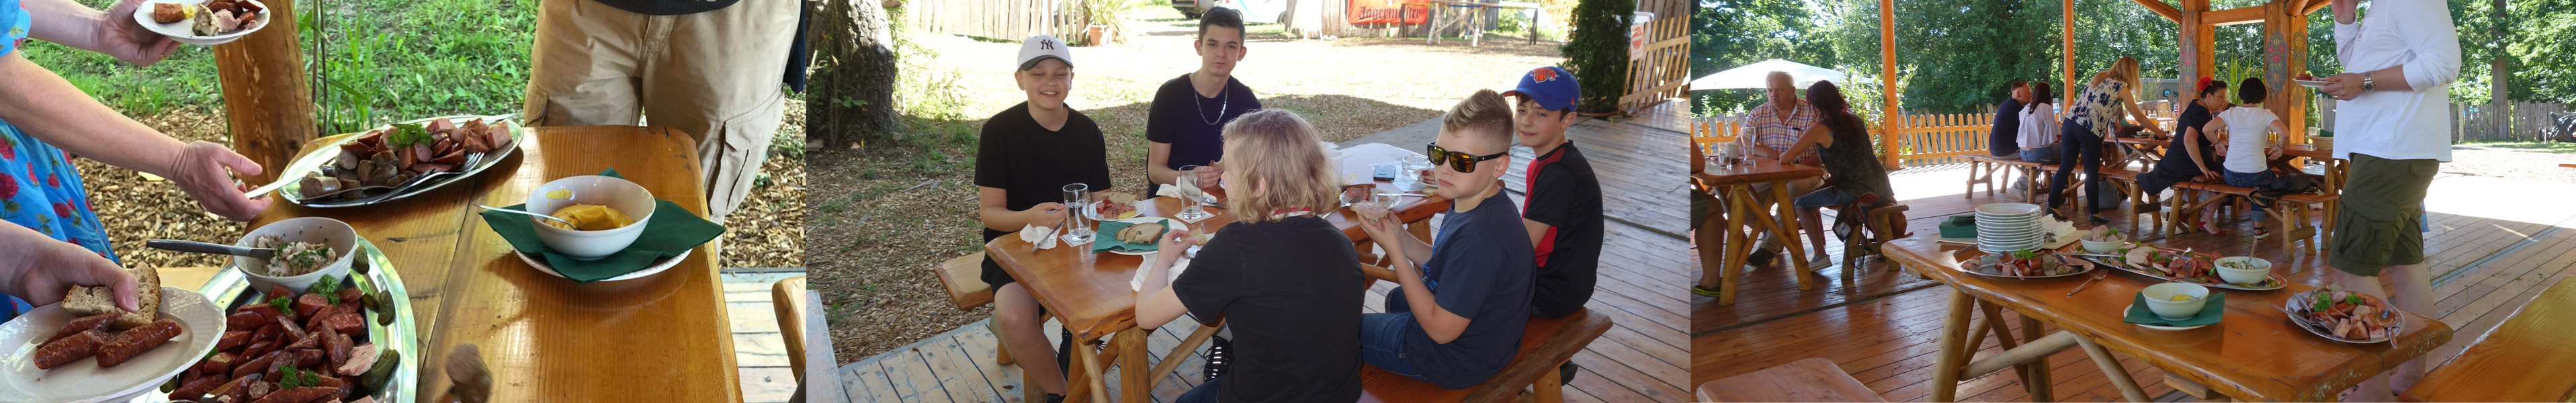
(283, 303)
(328, 287)
(297, 378)
(407, 134)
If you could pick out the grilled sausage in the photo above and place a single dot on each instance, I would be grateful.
(69, 349)
(297, 395)
(197, 389)
(257, 365)
(86, 323)
(232, 339)
(136, 341)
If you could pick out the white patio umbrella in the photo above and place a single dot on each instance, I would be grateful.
(1752, 75)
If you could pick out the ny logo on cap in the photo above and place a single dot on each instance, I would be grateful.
(1046, 44)
(1543, 74)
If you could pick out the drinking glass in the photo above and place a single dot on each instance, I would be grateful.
(1191, 194)
(1078, 223)
(1408, 177)
(1386, 199)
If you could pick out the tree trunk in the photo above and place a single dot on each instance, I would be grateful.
(853, 84)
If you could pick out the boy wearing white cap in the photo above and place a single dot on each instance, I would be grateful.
(1024, 159)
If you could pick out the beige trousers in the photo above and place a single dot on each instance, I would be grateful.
(714, 75)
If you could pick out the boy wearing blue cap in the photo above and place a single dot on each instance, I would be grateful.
(1023, 160)
(1563, 213)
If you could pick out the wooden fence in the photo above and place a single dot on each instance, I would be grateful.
(2520, 121)
(1011, 20)
(1926, 139)
(1661, 74)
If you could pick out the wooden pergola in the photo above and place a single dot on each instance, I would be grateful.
(2285, 50)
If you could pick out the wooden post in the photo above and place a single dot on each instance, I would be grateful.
(2198, 51)
(1891, 127)
(265, 94)
(2285, 55)
(2069, 89)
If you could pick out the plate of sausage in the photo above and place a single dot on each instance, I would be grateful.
(340, 339)
(57, 356)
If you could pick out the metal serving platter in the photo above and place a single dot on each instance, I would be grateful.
(371, 272)
(310, 163)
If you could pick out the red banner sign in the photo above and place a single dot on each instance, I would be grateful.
(1387, 12)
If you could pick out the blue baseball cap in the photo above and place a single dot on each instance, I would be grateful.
(1552, 87)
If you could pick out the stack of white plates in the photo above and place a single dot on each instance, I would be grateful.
(2006, 227)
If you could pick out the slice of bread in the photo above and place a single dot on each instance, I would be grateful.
(85, 300)
(1119, 197)
(88, 301)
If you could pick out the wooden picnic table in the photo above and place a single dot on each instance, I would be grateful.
(2254, 353)
(1734, 186)
(2525, 359)
(544, 338)
(2141, 150)
(1475, 20)
(1089, 292)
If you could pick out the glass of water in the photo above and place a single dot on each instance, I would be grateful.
(1408, 174)
(1077, 223)
(1191, 194)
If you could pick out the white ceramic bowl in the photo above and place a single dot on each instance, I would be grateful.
(342, 239)
(2160, 300)
(181, 32)
(2262, 268)
(625, 196)
(2112, 246)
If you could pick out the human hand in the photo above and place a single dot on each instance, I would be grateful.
(117, 34)
(1049, 214)
(1209, 176)
(47, 269)
(205, 170)
(1176, 243)
(2343, 87)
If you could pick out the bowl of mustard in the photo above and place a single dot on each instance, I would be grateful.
(603, 215)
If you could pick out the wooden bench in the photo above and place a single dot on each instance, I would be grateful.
(2291, 212)
(1809, 380)
(1546, 345)
(1880, 227)
(2525, 359)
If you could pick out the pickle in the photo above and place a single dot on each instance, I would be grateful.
(376, 376)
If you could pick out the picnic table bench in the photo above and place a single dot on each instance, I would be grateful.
(2291, 212)
(2525, 359)
(1809, 380)
(1546, 345)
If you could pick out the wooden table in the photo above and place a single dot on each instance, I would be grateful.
(1089, 292)
(2255, 353)
(659, 338)
(1734, 186)
(2525, 359)
(2144, 151)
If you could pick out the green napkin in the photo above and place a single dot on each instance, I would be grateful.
(665, 235)
(1107, 238)
(2209, 313)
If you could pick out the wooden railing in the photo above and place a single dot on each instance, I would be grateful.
(1659, 75)
(1010, 20)
(2521, 121)
(1925, 140)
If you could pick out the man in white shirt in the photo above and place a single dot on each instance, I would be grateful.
(2392, 127)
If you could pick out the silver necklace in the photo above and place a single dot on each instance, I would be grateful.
(1223, 103)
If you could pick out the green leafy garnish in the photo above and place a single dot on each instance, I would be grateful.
(2352, 299)
(297, 378)
(283, 303)
(2024, 254)
(407, 134)
(328, 287)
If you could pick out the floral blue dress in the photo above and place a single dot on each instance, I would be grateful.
(39, 187)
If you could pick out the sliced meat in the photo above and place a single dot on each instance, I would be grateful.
(196, 388)
(232, 339)
(338, 346)
(291, 331)
(218, 366)
(346, 322)
(297, 395)
(350, 296)
(69, 349)
(361, 358)
(258, 365)
(308, 304)
(133, 342)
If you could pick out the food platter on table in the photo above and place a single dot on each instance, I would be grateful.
(1169, 224)
(383, 304)
(202, 22)
(2160, 262)
(86, 380)
(2021, 264)
(433, 156)
(2346, 316)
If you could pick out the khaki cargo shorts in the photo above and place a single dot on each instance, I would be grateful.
(2377, 224)
(714, 75)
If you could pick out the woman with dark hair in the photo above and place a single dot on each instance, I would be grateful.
(2039, 137)
(2191, 157)
(1857, 176)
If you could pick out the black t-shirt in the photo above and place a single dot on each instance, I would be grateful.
(1290, 290)
(667, 7)
(1480, 270)
(1032, 164)
(1179, 116)
(2176, 166)
(1564, 195)
(2006, 136)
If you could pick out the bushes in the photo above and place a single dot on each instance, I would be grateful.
(1597, 51)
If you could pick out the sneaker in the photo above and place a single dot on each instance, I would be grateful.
(1565, 373)
(1761, 258)
(1219, 358)
(1821, 262)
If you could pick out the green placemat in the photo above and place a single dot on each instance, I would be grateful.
(665, 236)
(1107, 238)
(2209, 313)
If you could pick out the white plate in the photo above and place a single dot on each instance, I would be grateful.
(1092, 211)
(2008, 209)
(2311, 83)
(84, 381)
(2291, 308)
(2160, 327)
(666, 264)
(181, 32)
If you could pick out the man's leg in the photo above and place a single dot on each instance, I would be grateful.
(583, 65)
(1024, 335)
(719, 80)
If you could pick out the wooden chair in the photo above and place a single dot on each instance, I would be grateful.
(1809, 380)
(2525, 359)
(808, 339)
(1546, 345)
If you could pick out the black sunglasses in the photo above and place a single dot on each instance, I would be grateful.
(1461, 162)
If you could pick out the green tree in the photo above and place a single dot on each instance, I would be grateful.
(1730, 33)
(1597, 51)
